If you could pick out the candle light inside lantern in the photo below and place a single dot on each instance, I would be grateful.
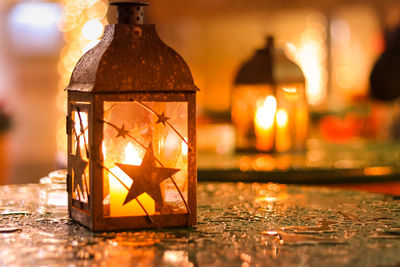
(264, 120)
(118, 191)
(184, 148)
(282, 131)
(301, 126)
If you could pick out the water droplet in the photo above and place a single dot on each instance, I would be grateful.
(15, 212)
(10, 230)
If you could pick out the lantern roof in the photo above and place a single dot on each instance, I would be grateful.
(131, 58)
(268, 66)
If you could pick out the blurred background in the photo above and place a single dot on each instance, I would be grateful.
(335, 43)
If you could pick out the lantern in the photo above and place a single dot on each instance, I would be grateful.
(268, 104)
(131, 129)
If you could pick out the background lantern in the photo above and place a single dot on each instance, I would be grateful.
(131, 131)
(268, 104)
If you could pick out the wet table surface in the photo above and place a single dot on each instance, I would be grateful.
(238, 225)
(358, 161)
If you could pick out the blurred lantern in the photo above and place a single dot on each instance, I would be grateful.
(131, 131)
(268, 105)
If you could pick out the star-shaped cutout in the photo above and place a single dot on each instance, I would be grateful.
(146, 177)
(122, 132)
(162, 118)
(79, 166)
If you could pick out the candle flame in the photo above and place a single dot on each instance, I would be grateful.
(265, 114)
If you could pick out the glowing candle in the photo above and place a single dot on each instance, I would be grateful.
(282, 131)
(118, 191)
(264, 121)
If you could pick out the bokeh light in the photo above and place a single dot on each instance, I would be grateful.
(310, 52)
(82, 23)
(93, 29)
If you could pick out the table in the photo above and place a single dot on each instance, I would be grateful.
(239, 224)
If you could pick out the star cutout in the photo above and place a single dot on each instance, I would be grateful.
(162, 118)
(79, 166)
(146, 177)
(122, 132)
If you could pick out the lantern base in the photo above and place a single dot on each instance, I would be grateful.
(130, 223)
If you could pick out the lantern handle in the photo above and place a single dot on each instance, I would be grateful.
(129, 12)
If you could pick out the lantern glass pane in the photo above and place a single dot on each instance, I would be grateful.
(80, 161)
(292, 117)
(145, 158)
(253, 112)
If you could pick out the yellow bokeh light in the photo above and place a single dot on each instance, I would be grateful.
(310, 53)
(92, 29)
(97, 11)
(82, 23)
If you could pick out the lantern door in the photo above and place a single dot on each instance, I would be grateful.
(78, 156)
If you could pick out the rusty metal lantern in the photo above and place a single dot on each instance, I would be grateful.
(268, 103)
(131, 129)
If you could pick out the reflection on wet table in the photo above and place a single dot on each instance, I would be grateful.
(238, 225)
(322, 163)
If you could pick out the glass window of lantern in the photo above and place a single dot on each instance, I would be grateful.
(140, 135)
(292, 117)
(79, 153)
(245, 101)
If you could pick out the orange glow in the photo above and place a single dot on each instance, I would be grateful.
(377, 171)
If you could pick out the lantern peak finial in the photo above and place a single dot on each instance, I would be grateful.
(129, 12)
